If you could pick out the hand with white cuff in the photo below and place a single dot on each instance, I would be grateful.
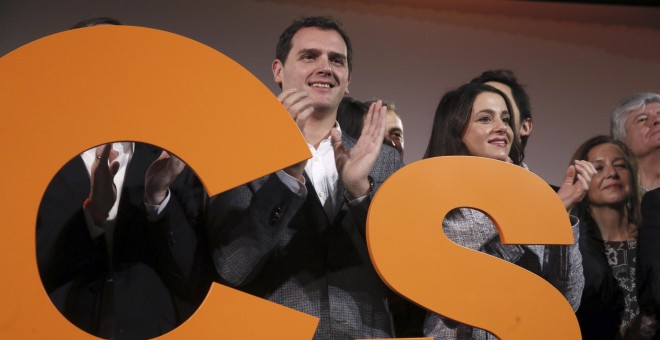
(355, 165)
(103, 192)
(160, 175)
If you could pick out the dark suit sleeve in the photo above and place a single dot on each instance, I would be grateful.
(389, 161)
(177, 239)
(649, 252)
(65, 249)
(248, 224)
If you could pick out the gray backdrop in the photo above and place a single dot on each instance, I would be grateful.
(577, 61)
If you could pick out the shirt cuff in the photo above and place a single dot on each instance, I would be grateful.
(292, 183)
(575, 225)
(154, 210)
(354, 202)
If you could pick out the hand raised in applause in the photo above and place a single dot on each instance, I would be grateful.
(641, 327)
(576, 184)
(354, 165)
(103, 192)
(300, 107)
(160, 175)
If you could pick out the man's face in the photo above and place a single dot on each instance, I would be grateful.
(316, 64)
(394, 131)
(643, 129)
(524, 128)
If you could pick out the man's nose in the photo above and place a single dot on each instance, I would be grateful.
(325, 66)
(655, 119)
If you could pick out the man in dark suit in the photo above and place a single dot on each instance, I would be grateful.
(648, 262)
(297, 236)
(121, 244)
(122, 258)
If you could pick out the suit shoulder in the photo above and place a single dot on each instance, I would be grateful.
(388, 162)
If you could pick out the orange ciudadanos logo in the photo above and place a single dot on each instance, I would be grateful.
(67, 92)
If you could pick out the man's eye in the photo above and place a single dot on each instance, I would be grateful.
(307, 57)
(338, 61)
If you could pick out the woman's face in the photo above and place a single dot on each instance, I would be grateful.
(611, 185)
(488, 133)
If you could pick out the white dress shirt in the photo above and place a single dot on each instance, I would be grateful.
(322, 171)
(124, 155)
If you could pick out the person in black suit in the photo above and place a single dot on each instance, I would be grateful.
(134, 273)
(121, 245)
(297, 236)
(648, 256)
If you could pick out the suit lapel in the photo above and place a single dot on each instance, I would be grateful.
(349, 143)
(315, 207)
(143, 156)
(75, 176)
(312, 195)
(132, 194)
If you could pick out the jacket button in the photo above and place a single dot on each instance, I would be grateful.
(275, 216)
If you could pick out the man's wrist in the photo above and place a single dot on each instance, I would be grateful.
(359, 193)
(156, 198)
(97, 215)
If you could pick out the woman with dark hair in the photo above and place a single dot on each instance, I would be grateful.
(609, 216)
(455, 115)
(476, 120)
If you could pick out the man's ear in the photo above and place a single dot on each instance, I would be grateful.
(348, 83)
(526, 127)
(277, 70)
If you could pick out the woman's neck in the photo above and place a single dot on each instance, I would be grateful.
(612, 222)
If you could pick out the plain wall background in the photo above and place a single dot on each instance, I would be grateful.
(577, 61)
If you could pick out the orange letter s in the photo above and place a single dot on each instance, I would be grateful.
(414, 256)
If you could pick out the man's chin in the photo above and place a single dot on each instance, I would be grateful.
(324, 107)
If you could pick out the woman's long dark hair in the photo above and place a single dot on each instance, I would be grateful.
(452, 118)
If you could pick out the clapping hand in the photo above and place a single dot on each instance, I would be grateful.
(103, 192)
(354, 165)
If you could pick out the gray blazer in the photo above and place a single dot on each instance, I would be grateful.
(559, 265)
(274, 244)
